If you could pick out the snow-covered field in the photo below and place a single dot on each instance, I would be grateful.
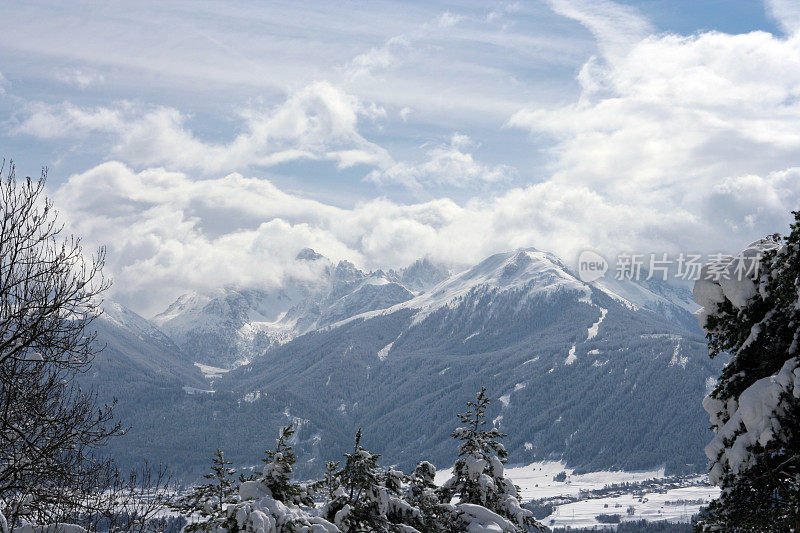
(536, 481)
(211, 372)
(651, 506)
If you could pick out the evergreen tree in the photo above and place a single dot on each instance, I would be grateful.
(421, 494)
(368, 499)
(210, 500)
(751, 312)
(330, 480)
(478, 477)
(278, 470)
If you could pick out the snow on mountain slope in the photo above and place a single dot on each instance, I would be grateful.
(122, 317)
(647, 294)
(566, 360)
(541, 273)
(531, 270)
(231, 326)
(135, 349)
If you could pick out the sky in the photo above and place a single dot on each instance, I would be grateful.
(207, 143)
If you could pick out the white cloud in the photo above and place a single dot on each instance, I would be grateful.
(673, 143)
(617, 27)
(447, 164)
(706, 124)
(317, 122)
(81, 78)
(168, 233)
(378, 58)
(448, 20)
(786, 12)
(67, 120)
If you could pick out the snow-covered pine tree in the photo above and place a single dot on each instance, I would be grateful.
(367, 498)
(751, 311)
(278, 470)
(210, 500)
(330, 480)
(273, 503)
(478, 478)
(421, 493)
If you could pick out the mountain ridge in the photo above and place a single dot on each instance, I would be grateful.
(567, 363)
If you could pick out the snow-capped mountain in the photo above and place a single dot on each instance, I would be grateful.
(566, 360)
(231, 326)
(570, 364)
(135, 349)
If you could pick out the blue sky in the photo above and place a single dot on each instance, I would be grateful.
(211, 141)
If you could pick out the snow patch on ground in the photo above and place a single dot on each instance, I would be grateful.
(384, 352)
(505, 400)
(677, 358)
(194, 390)
(594, 328)
(251, 397)
(211, 372)
(536, 481)
(571, 358)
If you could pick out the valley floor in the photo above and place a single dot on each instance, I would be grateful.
(580, 498)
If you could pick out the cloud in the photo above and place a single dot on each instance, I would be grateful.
(81, 78)
(168, 233)
(615, 26)
(378, 58)
(67, 120)
(317, 122)
(707, 124)
(786, 13)
(448, 20)
(447, 164)
(666, 143)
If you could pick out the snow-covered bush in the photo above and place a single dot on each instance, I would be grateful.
(478, 474)
(751, 310)
(274, 503)
(261, 513)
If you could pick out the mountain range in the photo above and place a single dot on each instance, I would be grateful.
(604, 375)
